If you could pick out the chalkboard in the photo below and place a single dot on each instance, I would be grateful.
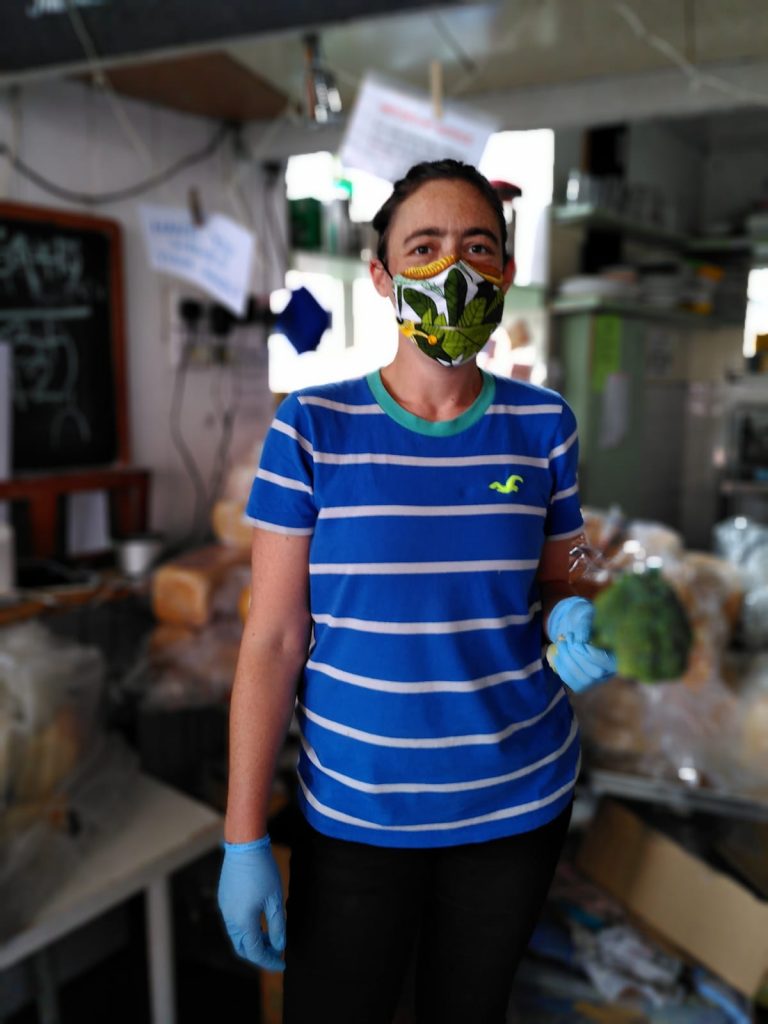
(61, 311)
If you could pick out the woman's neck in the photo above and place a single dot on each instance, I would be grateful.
(428, 390)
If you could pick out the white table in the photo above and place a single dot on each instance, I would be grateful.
(163, 831)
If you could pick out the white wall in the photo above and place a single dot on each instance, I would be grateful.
(68, 132)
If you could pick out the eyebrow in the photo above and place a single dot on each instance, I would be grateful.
(440, 232)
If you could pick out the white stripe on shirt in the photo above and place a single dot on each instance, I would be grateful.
(500, 815)
(419, 568)
(568, 535)
(359, 511)
(440, 787)
(354, 410)
(564, 494)
(524, 410)
(283, 481)
(428, 685)
(277, 528)
(289, 431)
(428, 742)
(561, 449)
(417, 628)
(439, 462)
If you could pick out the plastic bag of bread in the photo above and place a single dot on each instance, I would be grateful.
(50, 692)
(750, 672)
(184, 590)
(711, 591)
(612, 724)
(189, 668)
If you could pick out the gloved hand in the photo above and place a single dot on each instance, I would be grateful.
(581, 665)
(571, 619)
(249, 884)
(578, 663)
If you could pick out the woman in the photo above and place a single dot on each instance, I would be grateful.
(417, 523)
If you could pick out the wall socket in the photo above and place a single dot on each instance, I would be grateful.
(207, 348)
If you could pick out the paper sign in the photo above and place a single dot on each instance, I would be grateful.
(87, 523)
(390, 130)
(216, 257)
(606, 350)
(614, 413)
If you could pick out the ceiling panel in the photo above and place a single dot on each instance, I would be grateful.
(519, 43)
(47, 39)
(729, 31)
(484, 47)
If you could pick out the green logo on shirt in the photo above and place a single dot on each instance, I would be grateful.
(508, 487)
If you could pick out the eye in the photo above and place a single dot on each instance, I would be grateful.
(479, 248)
(420, 250)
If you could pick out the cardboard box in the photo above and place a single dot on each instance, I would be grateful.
(707, 915)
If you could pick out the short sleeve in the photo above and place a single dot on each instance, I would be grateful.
(282, 496)
(564, 519)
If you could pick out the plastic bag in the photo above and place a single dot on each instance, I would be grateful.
(41, 847)
(50, 694)
(182, 668)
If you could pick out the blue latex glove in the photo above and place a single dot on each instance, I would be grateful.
(571, 619)
(249, 884)
(578, 663)
(581, 665)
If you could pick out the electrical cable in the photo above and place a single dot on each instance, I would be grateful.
(500, 46)
(227, 421)
(200, 508)
(100, 198)
(278, 242)
(467, 62)
(101, 80)
(14, 94)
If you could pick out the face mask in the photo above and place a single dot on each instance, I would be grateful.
(448, 308)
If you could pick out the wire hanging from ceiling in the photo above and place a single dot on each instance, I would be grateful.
(697, 79)
(104, 84)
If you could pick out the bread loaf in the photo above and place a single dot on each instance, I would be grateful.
(183, 590)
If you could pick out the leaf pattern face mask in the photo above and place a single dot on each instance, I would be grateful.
(448, 308)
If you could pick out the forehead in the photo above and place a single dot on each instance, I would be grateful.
(450, 204)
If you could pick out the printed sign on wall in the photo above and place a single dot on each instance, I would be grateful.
(390, 130)
(216, 257)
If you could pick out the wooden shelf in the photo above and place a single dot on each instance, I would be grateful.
(584, 215)
(606, 304)
(127, 487)
(677, 795)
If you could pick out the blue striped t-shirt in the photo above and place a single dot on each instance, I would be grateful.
(427, 717)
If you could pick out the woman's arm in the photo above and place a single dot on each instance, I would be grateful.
(272, 653)
(553, 575)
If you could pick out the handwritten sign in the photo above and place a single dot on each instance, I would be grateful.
(60, 315)
(390, 130)
(216, 257)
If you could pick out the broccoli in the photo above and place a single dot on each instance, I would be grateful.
(641, 619)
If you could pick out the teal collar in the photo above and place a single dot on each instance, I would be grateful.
(434, 428)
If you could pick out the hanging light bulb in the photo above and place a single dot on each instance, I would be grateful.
(323, 99)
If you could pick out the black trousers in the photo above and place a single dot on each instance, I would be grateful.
(358, 916)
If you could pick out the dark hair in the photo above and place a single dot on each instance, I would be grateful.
(434, 170)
